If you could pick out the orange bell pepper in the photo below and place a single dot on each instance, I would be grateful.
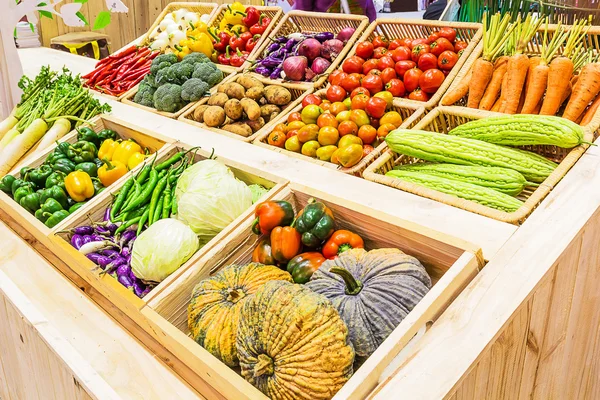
(341, 241)
(110, 172)
(286, 242)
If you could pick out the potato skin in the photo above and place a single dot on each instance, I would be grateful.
(235, 90)
(255, 93)
(218, 99)
(198, 114)
(269, 111)
(255, 125)
(277, 95)
(233, 109)
(214, 116)
(249, 82)
(222, 88)
(239, 128)
(251, 108)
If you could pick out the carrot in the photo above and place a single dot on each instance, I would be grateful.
(491, 92)
(479, 81)
(496, 107)
(516, 72)
(538, 81)
(574, 80)
(459, 91)
(567, 93)
(502, 94)
(591, 112)
(559, 75)
(584, 91)
(533, 62)
(537, 108)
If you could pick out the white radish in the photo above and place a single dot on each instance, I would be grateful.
(10, 135)
(163, 36)
(179, 14)
(17, 147)
(205, 18)
(159, 44)
(169, 17)
(191, 17)
(173, 28)
(177, 37)
(164, 23)
(7, 125)
(61, 127)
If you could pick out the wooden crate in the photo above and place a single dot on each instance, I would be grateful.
(590, 42)
(297, 96)
(272, 12)
(125, 130)
(410, 115)
(128, 99)
(396, 28)
(313, 22)
(450, 262)
(444, 119)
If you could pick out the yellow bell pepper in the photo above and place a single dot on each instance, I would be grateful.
(200, 27)
(135, 160)
(214, 56)
(235, 13)
(201, 44)
(126, 149)
(79, 186)
(182, 51)
(107, 149)
(239, 29)
(110, 172)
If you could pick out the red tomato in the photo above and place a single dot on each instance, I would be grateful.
(353, 65)
(385, 62)
(433, 37)
(394, 44)
(419, 95)
(373, 83)
(411, 79)
(374, 122)
(388, 74)
(359, 102)
(380, 41)
(402, 66)
(369, 65)
(374, 72)
(418, 51)
(427, 61)
(336, 77)
(406, 42)
(395, 87)
(380, 52)
(401, 53)
(367, 148)
(441, 45)
(416, 42)
(360, 90)
(365, 50)
(311, 99)
(431, 80)
(447, 60)
(351, 82)
(460, 45)
(376, 107)
(448, 33)
(336, 93)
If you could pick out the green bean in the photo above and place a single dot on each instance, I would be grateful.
(142, 221)
(158, 210)
(127, 225)
(166, 208)
(160, 186)
(120, 199)
(173, 205)
(145, 194)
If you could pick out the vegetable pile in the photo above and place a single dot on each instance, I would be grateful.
(119, 72)
(243, 107)
(412, 68)
(172, 84)
(238, 34)
(336, 128)
(343, 300)
(48, 106)
(302, 56)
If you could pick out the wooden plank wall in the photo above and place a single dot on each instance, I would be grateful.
(551, 347)
(124, 28)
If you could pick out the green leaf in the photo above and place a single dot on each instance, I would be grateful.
(46, 14)
(41, 4)
(80, 1)
(32, 27)
(15, 32)
(82, 17)
(102, 20)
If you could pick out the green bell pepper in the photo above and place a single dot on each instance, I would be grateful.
(42, 216)
(64, 165)
(76, 207)
(87, 134)
(19, 183)
(57, 178)
(106, 134)
(56, 217)
(82, 151)
(98, 186)
(24, 172)
(98, 162)
(30, 200)
(88, 167)
(56, 193)
(6, 183)
(40, 174)
(315, 223)
(51, 206)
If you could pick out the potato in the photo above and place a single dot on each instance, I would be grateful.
(249, 82)
(239, 128)
(235, 90)
(222, 88)
(233, 109)
(218, 99)
(251, 108)
(214, 116)
(277, 95)
(255, 125)
(255, 93)
(199, 113)
(269, 111)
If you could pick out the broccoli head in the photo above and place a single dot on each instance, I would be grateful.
(176, 73)
(169, 58)
(168, 98)
(193, 89)
(195, 58)
(150, 80)
(144, 95)
(154, 68)
(209, 73)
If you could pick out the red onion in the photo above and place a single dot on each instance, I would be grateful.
(294, 68)
(310, 48)
(319, 65)
(345, 34)
(310, 75)
(332, 48)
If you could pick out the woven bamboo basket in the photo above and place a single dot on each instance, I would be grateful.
(394, 28)
(272, 12)
(313, 22)
(410, 116)
(297, 96)
(128, 99)
(444, 119)
(591, 41)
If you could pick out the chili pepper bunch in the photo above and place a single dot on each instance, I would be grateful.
(119, 72)
(299, 243)
(239, 32)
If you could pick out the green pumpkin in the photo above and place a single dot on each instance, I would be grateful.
(373, 291)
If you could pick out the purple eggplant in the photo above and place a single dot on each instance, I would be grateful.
(127, 237)
(281, 39)
(290, 45)
(106, 214)
(264, 71)
(126, 251)
(145, 292)
(77, 241)
(276, 74)
(324, 36)
(272, 47)
(83, 230)
(125, 281)
(98, 238)
(272, 62)
(94, 257)
(112, 253)
(103, 261)
(123, 269)
(87, 239)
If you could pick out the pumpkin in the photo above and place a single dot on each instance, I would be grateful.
(373, 291)
(214, 311)
(292, 343)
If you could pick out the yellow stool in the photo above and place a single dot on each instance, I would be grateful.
(88, 44)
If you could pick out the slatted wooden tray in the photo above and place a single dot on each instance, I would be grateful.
(444, 119)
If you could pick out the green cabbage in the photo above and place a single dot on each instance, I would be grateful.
(209, 197)
(162, 248)
(257, 192)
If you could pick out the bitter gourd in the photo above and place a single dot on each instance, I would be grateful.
(503, 180)
(438, 147)
(468, 191)
(523, 130)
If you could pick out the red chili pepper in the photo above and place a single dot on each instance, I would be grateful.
(224, 59)
(251, 44)
(236, 42)
(260, 27)
(252, 16)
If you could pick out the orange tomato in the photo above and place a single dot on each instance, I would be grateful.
(293, 144)
(348, 102)
(359, 102)
(343, 116)
(277, 138)
(280, 127)
(359, 117)
(350, 155)
(310, 148)
(334, 157)
(347, 140)
(327, 120)
(387, 96)
(289, 134)
(391, 117)
(384, 129)
(360, 90)
(347, 128)
(325, 105)
(367, 134)
(311, 99)
(308, 132)
(295, 116)
(337, 107)
(367, 148)
(294, 125)
(328, 135)
(336, 93)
